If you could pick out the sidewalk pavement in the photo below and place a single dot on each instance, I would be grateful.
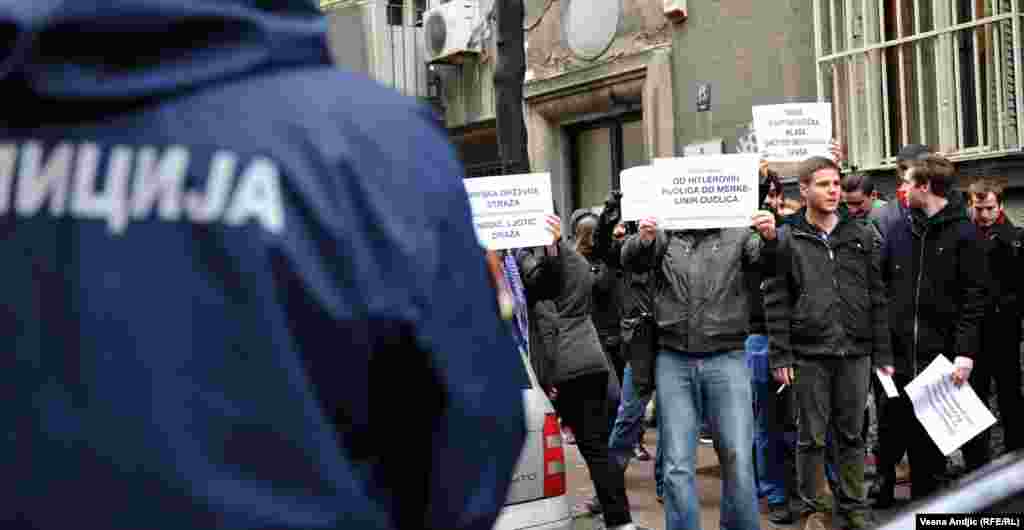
(646, 509)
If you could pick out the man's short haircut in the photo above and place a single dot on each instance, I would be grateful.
(813, 165)
(937, 171)
(980, 189)
(859, 182)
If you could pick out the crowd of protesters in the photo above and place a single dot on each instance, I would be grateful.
(211, 398)
(770, 337)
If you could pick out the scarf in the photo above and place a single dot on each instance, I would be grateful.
(986, 231)
(515, 286)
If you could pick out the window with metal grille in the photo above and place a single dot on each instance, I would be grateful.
(421, 7)
(937, 72)
(402, 64)
(396, 12)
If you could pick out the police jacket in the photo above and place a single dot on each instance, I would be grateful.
(241, 287)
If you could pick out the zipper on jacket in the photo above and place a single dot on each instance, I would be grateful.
(831, 258)
(917, 304)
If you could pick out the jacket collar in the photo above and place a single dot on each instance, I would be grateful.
(1003, 229)
(953, 212)
(799, 222)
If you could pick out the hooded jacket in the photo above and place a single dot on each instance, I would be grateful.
(228, 283)
(935, 270)
(563, 338)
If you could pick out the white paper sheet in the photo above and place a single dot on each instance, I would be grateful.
(952, 415)
(887, 383)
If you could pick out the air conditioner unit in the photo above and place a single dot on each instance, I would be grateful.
(447, 30)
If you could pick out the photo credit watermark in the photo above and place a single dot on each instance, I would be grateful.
(968, 520)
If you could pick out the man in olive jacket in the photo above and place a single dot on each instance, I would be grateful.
(825, 310)
(703, 313)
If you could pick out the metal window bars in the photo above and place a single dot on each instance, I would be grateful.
(938, 72)
(404, 66)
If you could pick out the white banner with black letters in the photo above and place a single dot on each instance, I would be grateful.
(792, 132)
(712, 191)
(509, 210)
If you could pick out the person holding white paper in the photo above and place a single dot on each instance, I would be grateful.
(936, 272)
(826, 314)
(703, 315)
(951, 414)
(894, 222)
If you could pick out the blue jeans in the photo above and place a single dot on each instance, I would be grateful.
(659, 454)
(715, 388)
(628, 429)
(770, 444)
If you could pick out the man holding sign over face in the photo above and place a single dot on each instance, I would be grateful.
(703, 313)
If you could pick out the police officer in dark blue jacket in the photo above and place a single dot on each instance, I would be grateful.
(227, 283)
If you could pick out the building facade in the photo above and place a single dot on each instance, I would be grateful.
(610, 83)
(614, 83)
(944, 73)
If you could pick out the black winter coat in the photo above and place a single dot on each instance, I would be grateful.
(826, 298)
(1003, 247)
(937, 273)
(565, 280)
(609, 280)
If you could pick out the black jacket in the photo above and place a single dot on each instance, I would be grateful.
(936, 272)
(754, 279)
(566, 281)
(826, 297)
(609, 280)
(1003, 248)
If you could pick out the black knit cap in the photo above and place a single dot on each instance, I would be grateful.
(912, 152)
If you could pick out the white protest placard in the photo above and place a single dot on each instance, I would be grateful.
(713, 191)
(509, 210)
(792, 132)
(635, 184)
(950, 414)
